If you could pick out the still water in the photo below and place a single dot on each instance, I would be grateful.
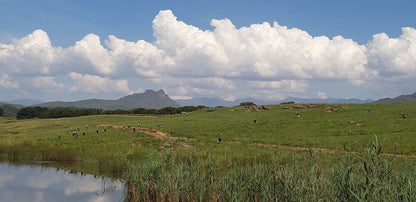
(39, 183)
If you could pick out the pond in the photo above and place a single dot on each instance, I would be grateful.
(40, 183)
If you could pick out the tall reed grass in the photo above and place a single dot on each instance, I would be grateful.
(28, 152)
(174, 176)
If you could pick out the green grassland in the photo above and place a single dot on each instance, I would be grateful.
(194, 166)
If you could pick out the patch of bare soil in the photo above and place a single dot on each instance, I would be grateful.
(152, 132)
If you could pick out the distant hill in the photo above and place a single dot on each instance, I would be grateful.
(399, 99)
(215, 101)
(150, 99)
(327, 100)
(205, 101)
(255, 101)
(10, 109)
(25, 102)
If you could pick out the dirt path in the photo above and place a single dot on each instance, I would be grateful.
(160, 135)
(152, 132)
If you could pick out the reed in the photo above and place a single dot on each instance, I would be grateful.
(172, 176)
(28, 152)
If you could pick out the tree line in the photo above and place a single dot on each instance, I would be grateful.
(42, 112)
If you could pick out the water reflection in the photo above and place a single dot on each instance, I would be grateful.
(38, 183)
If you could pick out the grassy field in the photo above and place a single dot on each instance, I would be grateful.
(276, 158)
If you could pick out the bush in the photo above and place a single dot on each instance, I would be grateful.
(247, 104)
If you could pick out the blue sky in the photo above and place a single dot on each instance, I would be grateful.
(68, 21)
(191, 68)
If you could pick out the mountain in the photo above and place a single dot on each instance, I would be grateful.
(399, 99)
(10, 109)
(205, 101)
(255, 101)
(24, 102)
(150, 99)
(215, 101)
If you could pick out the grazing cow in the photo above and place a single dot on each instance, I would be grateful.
(134, 129)
(159, 126)
(96, 131)
(219, 138)
(255, 121)
(369, 110)
(105, 130)
(297, 114)
(59, 136)
(404, 115)
(138, 126)
(83, 133)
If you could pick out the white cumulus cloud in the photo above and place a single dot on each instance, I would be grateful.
(322, 95)
(6, 82)
(265, 60)
(258, 51)
(46, 84)
(30, 55)
(393, 57)
(95, 84)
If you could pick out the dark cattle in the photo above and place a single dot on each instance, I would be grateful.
(404, 115)
(264, 107)
(219, 139)
(83, 133)
(255, 121)
(96, 131)
(134, 129)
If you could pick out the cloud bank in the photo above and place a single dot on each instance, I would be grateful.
(265, 60)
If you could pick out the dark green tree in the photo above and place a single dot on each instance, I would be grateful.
(247, 104)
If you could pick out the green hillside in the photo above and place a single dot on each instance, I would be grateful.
(149, 99)
(398, 99)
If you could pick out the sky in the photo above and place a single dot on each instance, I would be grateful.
(269, 50)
